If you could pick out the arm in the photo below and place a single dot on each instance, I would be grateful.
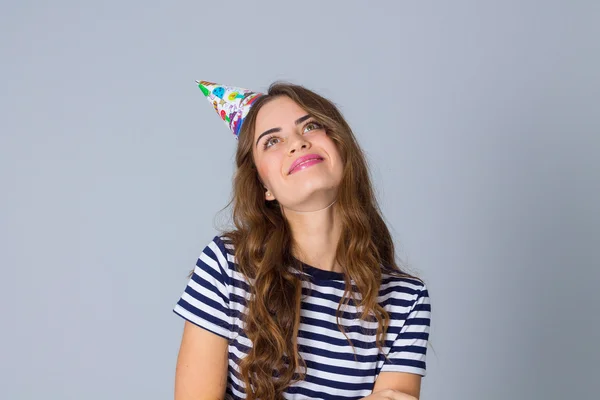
(202, 364)
(403, 382)
(201, 372)
(402, 373)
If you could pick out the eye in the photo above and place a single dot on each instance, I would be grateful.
(269, 142)
(314, 126)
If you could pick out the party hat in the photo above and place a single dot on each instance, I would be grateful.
(230, 102)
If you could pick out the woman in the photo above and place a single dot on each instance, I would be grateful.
(303, 299)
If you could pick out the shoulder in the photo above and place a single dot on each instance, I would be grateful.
(404, 290)
(219, 245)
(403, 282)
(225, 245)
(217, 257)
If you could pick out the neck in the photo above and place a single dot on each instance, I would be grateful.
(316, 235)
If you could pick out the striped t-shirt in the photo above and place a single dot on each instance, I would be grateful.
(216, 295)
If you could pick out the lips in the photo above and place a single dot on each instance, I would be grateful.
(304, 159)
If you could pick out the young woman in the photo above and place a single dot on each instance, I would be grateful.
(303, 299)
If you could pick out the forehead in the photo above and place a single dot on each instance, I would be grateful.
(277, 113)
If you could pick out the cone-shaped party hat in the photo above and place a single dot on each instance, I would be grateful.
(230, 102)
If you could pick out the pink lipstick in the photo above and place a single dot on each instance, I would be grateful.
(304, 162)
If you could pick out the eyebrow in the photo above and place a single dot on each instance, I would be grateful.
(268, 131)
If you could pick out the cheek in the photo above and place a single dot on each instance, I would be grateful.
(337, 157)
(269, 167)
(264, 171)
(331, 148)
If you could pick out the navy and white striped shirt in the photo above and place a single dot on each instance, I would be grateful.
(216, 295)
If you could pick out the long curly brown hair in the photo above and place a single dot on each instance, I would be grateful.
(263, 241)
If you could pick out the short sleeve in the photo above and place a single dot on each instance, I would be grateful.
(409, 349)
(205, 301)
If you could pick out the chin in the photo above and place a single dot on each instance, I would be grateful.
(316, 185)
(314, 190)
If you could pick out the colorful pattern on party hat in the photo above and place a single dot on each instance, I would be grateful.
(230, 102)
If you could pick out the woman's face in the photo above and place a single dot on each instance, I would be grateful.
(283, 134)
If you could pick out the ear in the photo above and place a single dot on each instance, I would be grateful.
(269, 196)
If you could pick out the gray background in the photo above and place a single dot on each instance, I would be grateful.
(480, 120)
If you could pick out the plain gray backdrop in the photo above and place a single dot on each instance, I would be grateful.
(480, 119)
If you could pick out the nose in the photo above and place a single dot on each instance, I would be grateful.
(296, 143)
